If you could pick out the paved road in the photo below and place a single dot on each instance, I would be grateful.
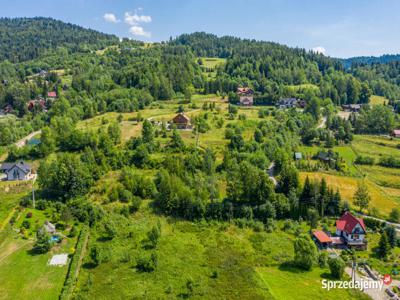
(375, 294)
(395, 225)
(22, 142)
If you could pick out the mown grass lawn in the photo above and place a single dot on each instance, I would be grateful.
(289, 283)
(24, 275)
(378, 100)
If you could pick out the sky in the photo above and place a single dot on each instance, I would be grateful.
(339, 28)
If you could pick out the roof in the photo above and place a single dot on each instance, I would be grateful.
(52, 94)
(244, 91)
(40, 102)
(59, 260)
(322, 237)
(181, 118)
(22, 165)
(396, 131)
(347, 223)
(298, 155)
(337, 240)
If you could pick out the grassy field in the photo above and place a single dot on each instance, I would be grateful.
(212, 62)
(302, 87)
(348, 185)
(376, 146)
(221, 261)
(378, 100)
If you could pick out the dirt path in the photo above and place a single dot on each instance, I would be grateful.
(395, 225)
(270, 171)
(375, 294)
(23, 141)
(7, 220)
(322, 124)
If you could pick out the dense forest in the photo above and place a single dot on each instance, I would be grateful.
(24, 39)
(369, 60)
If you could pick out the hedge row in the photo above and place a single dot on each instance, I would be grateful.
(69, 282)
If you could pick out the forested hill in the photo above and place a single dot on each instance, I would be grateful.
(369, 60)
(206, 44)
(24, 39)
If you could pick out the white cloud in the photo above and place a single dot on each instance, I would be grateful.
(111, 18)
(139, 31)
(319, 49)
(136, 19)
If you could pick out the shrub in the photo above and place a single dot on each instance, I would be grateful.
(41, 204)
(336, 266)
(69, 280)
(135, 204)
(364, 160)
(389, 162)
(147, 264)
(305, 252)
(26, 224)
(323, 259)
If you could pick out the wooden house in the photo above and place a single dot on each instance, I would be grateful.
(181, 121)
(246, 96)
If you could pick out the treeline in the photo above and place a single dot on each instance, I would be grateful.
(376, 119)
(24, 39)
(383, 78)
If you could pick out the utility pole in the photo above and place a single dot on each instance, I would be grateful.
(33, 193)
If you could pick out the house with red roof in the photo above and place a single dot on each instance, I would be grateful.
(396, 133)
(52, 95)
(322, 239)
(351, 230)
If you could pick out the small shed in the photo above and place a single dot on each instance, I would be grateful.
(322, 239)
(298, 156)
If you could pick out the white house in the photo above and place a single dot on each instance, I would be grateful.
(352, 230)
(17, 171)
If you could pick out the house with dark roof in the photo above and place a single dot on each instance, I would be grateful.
(246, 97)
(181, 121)
(352, 107)
(352, 230)
(291, 103)
(17, 171)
